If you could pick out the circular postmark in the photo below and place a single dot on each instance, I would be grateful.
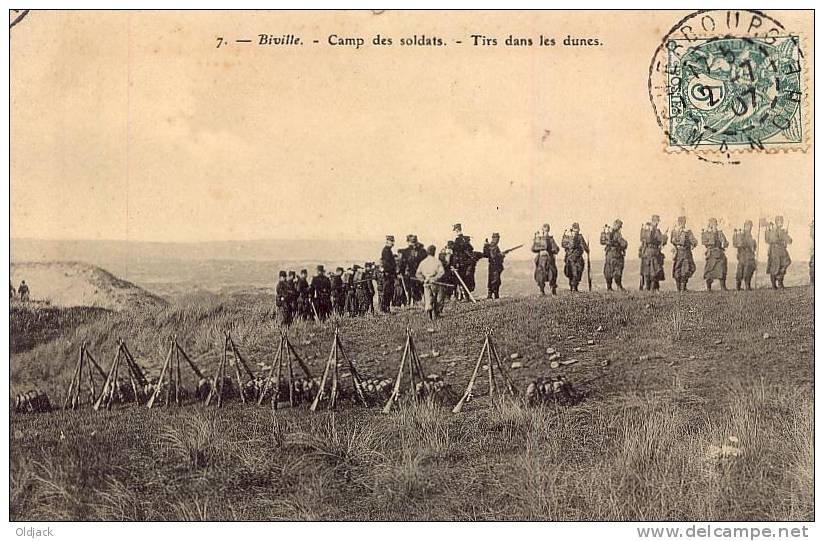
(724, 82)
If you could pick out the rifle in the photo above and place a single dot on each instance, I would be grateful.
(443, 284)
(455, 272)
(504, 252)
(314, 310)
(405, 290)
(757, 244)
(589, 273)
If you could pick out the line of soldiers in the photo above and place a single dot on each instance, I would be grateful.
(22, 291)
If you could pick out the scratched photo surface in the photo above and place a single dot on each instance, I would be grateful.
(166, 166)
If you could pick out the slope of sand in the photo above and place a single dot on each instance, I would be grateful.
(69, 284)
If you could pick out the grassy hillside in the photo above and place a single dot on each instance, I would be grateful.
(666, 380)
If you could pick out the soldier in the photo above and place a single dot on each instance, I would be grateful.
(12, 292)
(447, 258)
(400, 297)
(320, 291)
(615, 248)
(683, 241)
(492, 251)
(545, 248)
(369, 276)
(304, 306)
(429, 273)
(575, 245)
(350, 302)
(284, 299)
(292, 280)
(652, 258)
(746, 245)
(715, 267)
(363, 298)
(411, 256)
(464, 260)
(778, 258)
(389, 272)
(23, 291)
(336, 291)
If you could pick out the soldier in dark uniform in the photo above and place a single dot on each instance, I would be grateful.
(652, 258)
(399, 298)
(336, 291)
(23, 291)
(389, 271)
(715, 267)
(464, 259)
(350, 302)
(411, 256)
(492, 251)
(615, 248)
(745, 245)
(292, 280)
(683, 267)
(363, 299)
(575, 245)
(320, 291)
(304, 310)
(284, 299)
(447, 258)
(369, 277)
(545, 248)
(778, 258)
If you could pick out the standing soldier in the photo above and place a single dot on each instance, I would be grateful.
(683, 241)
(23, 291)
(778, 258)
(350, 302)
(615, 248)
(389, 273)
(652, 258)
(429, 273)
(715, 267)
(319, 292)
(575, 245)
(304, 310)
(447, 259)
(337, 291)
(544, 247)
(369, 276)
(284, 299)
(363, 299)
(463, 256)
(292, 280)
(492, 251)
(399, 298)
(746, 245)
(411, 256)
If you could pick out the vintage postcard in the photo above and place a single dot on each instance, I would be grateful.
(386, 265)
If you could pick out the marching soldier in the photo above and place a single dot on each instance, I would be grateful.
(23, 291)
(615, 248)
(715, 267)
(652, 258)
(320, 291)
(284, 299)
(336, 291)
(745, 245)
(683, 241)
(492, 251)
(304, 308)
(429, 273)
(411, 256)
(545, 248)
(575, 245)
(778, 258)
(390, 270)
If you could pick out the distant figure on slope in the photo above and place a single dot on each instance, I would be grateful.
(544, 247)
(778, 258)
(615, 248)
(683, 267)
(23, 291)
(746, 245)
(716, 243)
(492, 251)
(652, 258)
(574, 245)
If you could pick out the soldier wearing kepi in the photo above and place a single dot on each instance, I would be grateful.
(492, 251)
(575, 245)
(544, 247)
(652, 258)
(336, 291)
(411, 256)
(778, 258)
(304, 309)
(683, 241)
(284, 299)
(746, 245)
(615, 248)
(390, 271)
(463, 256)
(320, 291)
(715, 242)
(350, 302)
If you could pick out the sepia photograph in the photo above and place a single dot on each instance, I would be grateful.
(412, 265)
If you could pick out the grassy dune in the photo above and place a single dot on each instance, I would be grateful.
(667, 380)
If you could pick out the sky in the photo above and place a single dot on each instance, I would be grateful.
(135, 126)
